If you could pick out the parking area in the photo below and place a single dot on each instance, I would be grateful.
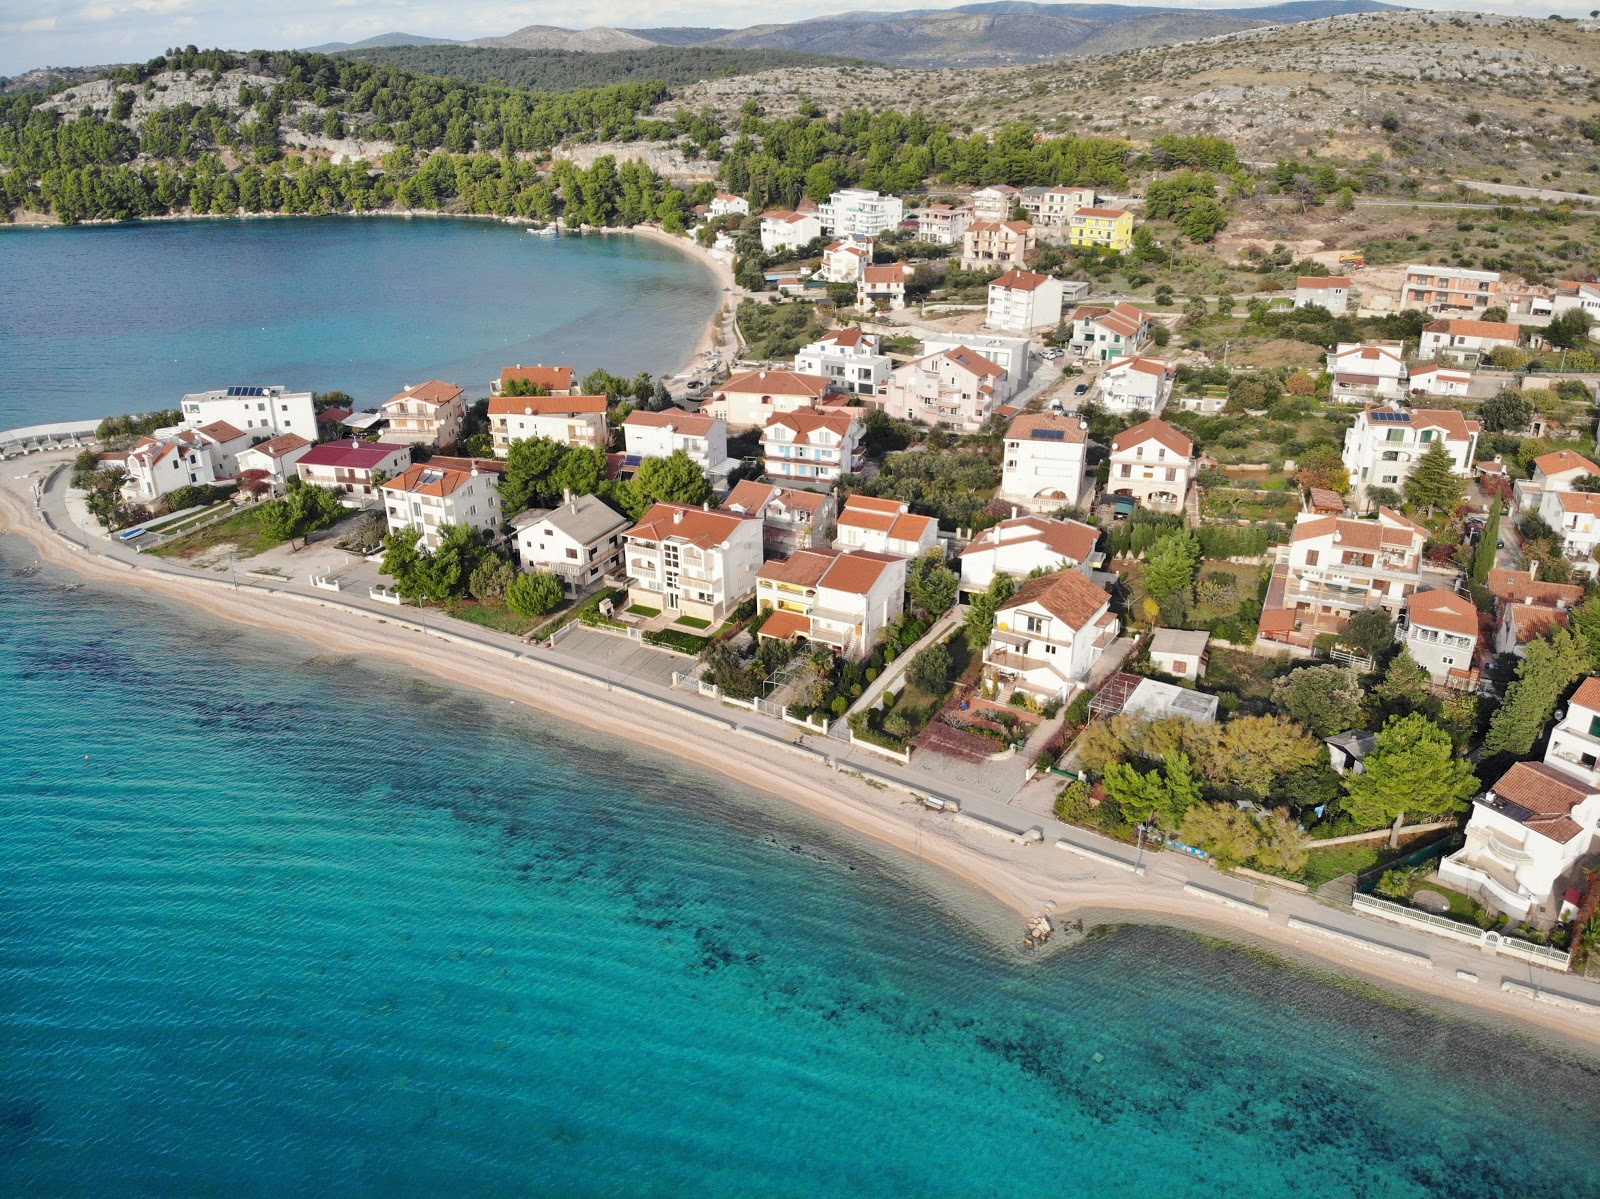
(621, 659)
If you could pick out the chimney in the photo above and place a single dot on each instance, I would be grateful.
(677, 516)
(1533, 571)
(705, 505)
(566, 495)
(1013, 512)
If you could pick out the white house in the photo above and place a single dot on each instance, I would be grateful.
(788, 231)
(1580, 295)
(175, 458)
(1365, 371)
(1022, 301)
(1022, 545)
(1575, 516)
(751, 399)
(1383, 445)
(278, 457)
(661, 434)
(725, 204)
(808, 446)
(352, 467)
(885, 527)
(957, 388)
(1527, 608)
(1556, 471)
(844, 260)
(792, 517)
(1010, 353)
(1330, 291)
(1136, 385)
(941, 224)
(426, 413)
(884, 285)
(580, 542)
(1440, 381)
(568, 419)
(833, 598)
(1104, 333)
(992, 245)
(1049, 635)
(258, 411)
(1179, 652)
(1154, 464)
(850, 359)
(1053, 207)
(854, 210)
(1044, 461)
(426, 497)
(692, 561)
(1465, 340)
(1530, 833)
(995, 203)
(1441, 632)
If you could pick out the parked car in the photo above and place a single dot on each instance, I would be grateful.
(1080, 389)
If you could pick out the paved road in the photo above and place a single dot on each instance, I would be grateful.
(1528, 193)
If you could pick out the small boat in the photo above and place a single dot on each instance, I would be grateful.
(547, 231)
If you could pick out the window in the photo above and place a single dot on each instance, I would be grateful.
(1048, 648)
(1312, 557)
(1594, 726)
(1396, 435)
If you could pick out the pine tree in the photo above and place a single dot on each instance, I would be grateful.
(1547, 670)
(1413, 768)
(1169, 572)
(1433, 483)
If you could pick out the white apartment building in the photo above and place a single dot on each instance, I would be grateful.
(941, 224)
(427, 497)
(692, 561)
(1136, 385)
(849, 359)
(1556, 471)
(1441, 632)
(1383, 445)
(1531, 832)
(258, 411)
(277, 457)
(1440, 381)
(884, 285)
(1330, 291)
(662, 434)
(1448, 289)
(1012, 354)
(844, 260)
(1580, 295)
(884, 526)
(809, 446)
(1154, 464)
(568, 419)
(174, 458)
(1048, 636)
(725, 204)
(1464, 340)
(1052, 207)
(1102, 334)
(995, 203)
(957, 388)
(993, 245)
(426, 414)
(843, 600)
(857, 211)
(1022, 301)
(580, 542)
(1044, 461)
(751, 399)
(1022, 545)
(788, 231)
(793, 518)
(1366, 371)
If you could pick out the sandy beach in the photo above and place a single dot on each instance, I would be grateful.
(1027, 879)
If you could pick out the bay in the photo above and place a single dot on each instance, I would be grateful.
(119, 318)
(274, 921)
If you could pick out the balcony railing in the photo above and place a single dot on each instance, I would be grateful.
(1510, 852)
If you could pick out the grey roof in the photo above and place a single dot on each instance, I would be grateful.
(1179, 641)
(1358, 743)
(585, 518)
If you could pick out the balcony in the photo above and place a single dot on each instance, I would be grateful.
(1508, 851)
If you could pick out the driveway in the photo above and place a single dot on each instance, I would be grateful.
(621, 659)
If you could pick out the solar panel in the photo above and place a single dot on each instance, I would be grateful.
(1392, 417)
(1049, 435)
(247, 391)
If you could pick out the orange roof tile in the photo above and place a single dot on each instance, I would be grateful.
(1154, 429)
(1066, 594)
(694, 424)
(1564, 460)
(1442, 609)
(1015, 280)
(556, 378)
(1521, 587)
(1069, 538)
(1071, 428)
(1468, 328)
(434, 392)
(556, 405)
(687, 523)
(1588, 694)
(776, 383)
(1546, 797)
(786, 625)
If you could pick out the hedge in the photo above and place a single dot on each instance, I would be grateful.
(674, 639)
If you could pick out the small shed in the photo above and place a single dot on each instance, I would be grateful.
(1180, 652)
(1325, 502)
(1347, 752)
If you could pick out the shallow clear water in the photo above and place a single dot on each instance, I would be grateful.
(130, 317)
(300, 927)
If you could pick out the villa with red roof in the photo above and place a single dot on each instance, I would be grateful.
(701, 437)
(1048, 636)
(1154, 464)
(567, 419)
(1102, 333)
(959, 389)
(1465, 340)
(992, 245)
(1022, 545)
(814, 447)
(277, 457)
(1136, 385)
(160, 464)
(848, 358)
(1364, 371)
(1527, 608)
(350, 466)
(1550, 493)
(884, 286)
(792, 517)
(1384, 444)
(1326, 291)
(751, 399)
(692, 561)
(1044, 462)
(428, 496)
(832, 597)
(1441, 633)
(553, 380)
(428, 413)
(844, 260)
(884, 526)
(1534, 830)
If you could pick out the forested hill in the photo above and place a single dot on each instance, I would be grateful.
(570, 70)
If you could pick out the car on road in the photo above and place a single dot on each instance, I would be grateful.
(1080, 389)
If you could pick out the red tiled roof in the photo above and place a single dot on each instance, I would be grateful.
(974, 362)
(695, 424)
(784, 625)
(1468, 328)
(803, 568)
(428, 478)
(1530, 622)
(1520, 586)
(1547, 795)
(351, 455)
(1015, 280)
(806, 421)
(705, 529)
(434, 392)
(1154, 429)
(1069, 538)
(556, 378)
(1442, 609)
(1322, 282)
(776, 383)
(1588, 694)
(1066, 594)
(1563, 460)
(221, 430)
(1072, 428)
(1145, 366)
(284, 443)
(1113, 213)
(555, 405)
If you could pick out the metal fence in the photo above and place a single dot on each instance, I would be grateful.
(1512, 947)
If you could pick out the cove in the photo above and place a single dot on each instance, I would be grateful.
(297, 925)
(117, 318)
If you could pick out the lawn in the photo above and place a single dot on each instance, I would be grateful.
(1325, 865)
(494, 616)
(643, 610)
(962, 658)
(243, 532)
(690, 622)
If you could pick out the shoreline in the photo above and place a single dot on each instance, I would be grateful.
(1025, 880)
(709, 341)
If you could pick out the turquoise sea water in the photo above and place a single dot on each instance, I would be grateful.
(130, 317)
(297, 926)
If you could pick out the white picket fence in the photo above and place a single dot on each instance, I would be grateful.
(1511, 947)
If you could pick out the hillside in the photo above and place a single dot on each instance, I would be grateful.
(550, 37)
(567, 70)
(381, 40)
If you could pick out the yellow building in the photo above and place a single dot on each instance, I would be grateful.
(1108, 228)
